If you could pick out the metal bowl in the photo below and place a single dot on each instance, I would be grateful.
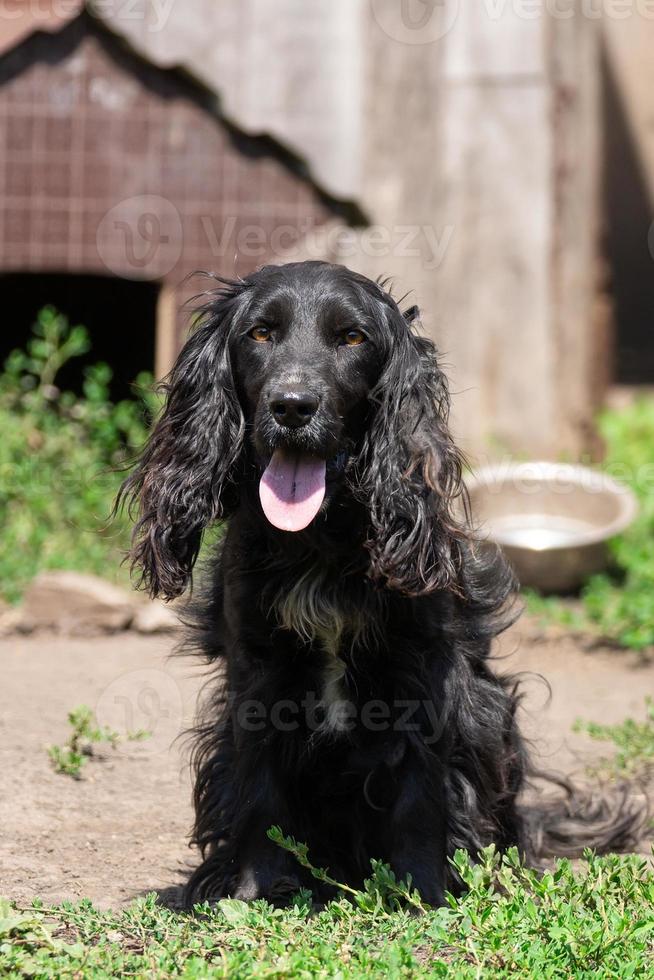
(552, 520)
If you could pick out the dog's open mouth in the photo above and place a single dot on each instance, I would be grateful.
(292, 489)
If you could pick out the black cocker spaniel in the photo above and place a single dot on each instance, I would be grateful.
(349, 613)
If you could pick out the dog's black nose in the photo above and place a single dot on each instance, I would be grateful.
(293, 408)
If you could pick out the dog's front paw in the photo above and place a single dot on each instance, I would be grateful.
(259, 883)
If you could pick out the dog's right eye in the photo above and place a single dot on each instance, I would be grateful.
(260, 334)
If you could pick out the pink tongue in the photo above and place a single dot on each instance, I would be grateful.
(292, 489)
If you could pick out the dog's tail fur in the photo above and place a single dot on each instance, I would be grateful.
(603, 817)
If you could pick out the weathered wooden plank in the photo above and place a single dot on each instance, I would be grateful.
(495, 40)
(492, 294)
(579, 324)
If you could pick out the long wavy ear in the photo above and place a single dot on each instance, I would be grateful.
(186, 477)
(411, 472)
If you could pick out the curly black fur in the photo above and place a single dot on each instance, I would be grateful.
(354, 704)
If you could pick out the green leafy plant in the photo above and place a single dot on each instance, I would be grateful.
(619, 604)
(633, 742)
(68, 759)
(382, 892)
(27, 930)
(595, 920)
(622, 605)
(61, 459)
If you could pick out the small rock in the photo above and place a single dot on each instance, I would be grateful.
(13, 620)
(155, 617)
(76, 603)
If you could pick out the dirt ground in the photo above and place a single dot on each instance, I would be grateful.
(121, 831)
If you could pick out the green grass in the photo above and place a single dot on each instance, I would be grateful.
(619, 605)
(598, 921)
(593, 920)
(633, 742)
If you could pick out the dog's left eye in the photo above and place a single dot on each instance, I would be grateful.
(353, 337)
(260, 334)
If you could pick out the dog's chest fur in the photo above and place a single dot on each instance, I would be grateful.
(323, 609)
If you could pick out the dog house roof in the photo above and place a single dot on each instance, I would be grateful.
(270, 64)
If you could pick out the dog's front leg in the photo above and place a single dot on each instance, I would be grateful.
(264, 870)
(418, 832)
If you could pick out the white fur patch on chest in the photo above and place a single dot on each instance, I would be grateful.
(334, 697)
(316, 610)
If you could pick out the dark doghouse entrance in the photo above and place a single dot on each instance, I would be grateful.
(119, 314)
(629, 242)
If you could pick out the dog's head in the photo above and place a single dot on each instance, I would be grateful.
(309, 379)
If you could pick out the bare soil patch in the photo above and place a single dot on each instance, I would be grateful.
(122, 830)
